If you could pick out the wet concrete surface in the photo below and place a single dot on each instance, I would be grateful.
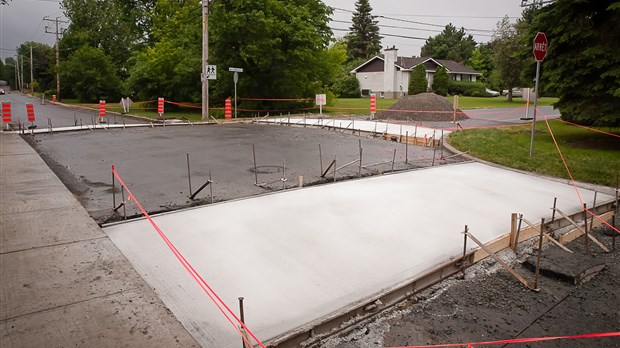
(60, 115)
(153, 161)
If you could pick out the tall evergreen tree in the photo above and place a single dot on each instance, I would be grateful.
(364, 40)
(418, 82)
(440, 81)
(506, 48)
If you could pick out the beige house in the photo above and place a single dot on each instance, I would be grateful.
(388, 76)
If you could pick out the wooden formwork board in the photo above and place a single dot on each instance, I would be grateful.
(576, 233)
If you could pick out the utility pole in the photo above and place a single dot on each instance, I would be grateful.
(57, 32)
(31, 73)
(21, 74)
(205, 59)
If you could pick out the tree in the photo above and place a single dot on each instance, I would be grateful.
(583, 62)
(115, 26)
(281, 44)
(43, 64)
(9, 72)
(440, 81)
(171, 66)
(505, 55)
(364, 40)
(450, 44)
(91, 74)
(482, 60)
(418, 82)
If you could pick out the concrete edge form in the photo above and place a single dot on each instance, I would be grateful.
(312, 333)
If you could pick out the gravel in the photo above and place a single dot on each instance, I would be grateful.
(426, 107)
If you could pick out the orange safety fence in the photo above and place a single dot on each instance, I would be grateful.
(572, 179)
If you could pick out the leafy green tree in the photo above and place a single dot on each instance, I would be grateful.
(506, 49)
(440, 81)
(8, 72)
(281, 44)
(171, 66)
(364, 40)
(482, 60)
(115, 26)
(43, 64)
(418, 82)
(583, 61)
(347, 87)
(450, 44)
(91, 75)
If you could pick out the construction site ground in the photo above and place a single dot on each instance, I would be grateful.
(489, 304)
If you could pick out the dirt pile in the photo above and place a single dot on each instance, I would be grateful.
(428, 107)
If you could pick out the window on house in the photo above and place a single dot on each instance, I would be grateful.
(365, 92)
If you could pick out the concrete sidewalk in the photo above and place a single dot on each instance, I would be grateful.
(62, 281)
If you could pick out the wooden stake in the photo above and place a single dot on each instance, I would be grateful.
(540, 242)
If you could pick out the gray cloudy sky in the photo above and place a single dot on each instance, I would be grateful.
(21, 20)
(431, 17)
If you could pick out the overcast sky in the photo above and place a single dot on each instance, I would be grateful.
(22, 20)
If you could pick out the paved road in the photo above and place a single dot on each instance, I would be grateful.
(60, 115)
(486, 118)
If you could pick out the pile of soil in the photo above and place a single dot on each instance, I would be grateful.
(428, 107)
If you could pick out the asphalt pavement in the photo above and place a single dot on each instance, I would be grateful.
(60, 115)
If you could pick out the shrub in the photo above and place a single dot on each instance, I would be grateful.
(440, 81)
(418, 82)
(466, 88)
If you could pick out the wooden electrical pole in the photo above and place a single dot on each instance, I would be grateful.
(205, 59)
(31, 73)
(57, 32)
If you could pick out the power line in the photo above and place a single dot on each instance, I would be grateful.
(407, 28)
(414, 22)
(389, 35)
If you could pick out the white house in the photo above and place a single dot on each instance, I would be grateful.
(388, 76)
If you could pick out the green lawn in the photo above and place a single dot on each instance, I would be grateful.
(592, 157)
(359, 104)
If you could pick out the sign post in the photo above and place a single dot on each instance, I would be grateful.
(235, 80)
(321, 99)
(540, 51)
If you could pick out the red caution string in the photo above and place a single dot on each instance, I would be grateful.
(572, 179)
(219, 303)
(518, 340)
(588, 128)
(276, 99)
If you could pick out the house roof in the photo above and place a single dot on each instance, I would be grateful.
(408, 63)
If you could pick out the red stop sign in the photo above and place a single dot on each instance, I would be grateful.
(540, 46)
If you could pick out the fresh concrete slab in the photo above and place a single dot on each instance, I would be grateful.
(379, 127)
(301, 255)
(62, 281)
